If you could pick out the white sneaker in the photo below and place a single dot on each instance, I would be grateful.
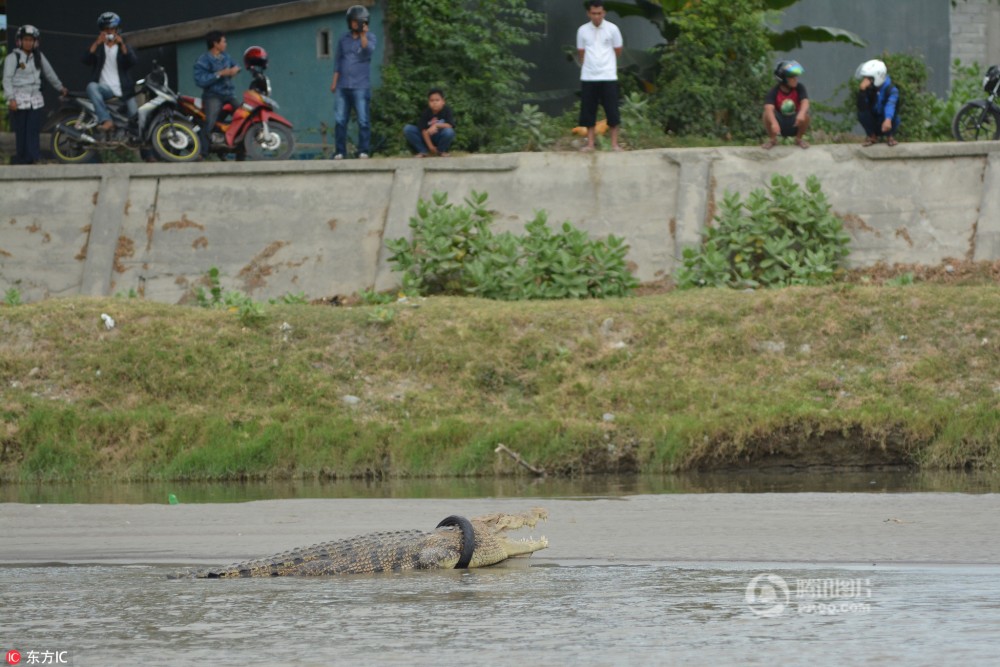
(338, 156)
(363, 156)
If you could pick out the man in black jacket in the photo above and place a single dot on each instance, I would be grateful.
(110, 59)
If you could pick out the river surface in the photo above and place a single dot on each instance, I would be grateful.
(510, 487)
(552, 614)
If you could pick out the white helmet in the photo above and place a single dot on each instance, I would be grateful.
(873, 69)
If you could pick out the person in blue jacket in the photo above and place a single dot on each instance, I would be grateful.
(213, 73)
(878, 103)
(352, 82)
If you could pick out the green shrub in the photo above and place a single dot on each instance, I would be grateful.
(785, 236)
(454, 251)
(714, 75)
(532, 130)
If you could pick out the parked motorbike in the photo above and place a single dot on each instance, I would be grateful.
(160, 125)
(253, 129)
(979, 120)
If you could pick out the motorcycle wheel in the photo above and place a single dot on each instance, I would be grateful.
(975, 123)
(280, 146)
(175, 140)
(65, 148)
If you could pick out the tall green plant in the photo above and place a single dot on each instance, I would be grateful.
(714, 72)
(785, 236)
(466, 48)
(665, 16)
(454, 251)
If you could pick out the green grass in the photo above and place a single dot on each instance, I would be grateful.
(843, 375)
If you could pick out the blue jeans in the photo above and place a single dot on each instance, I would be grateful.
(212, 106)
(441, 139)
(98, 92)
(358, 99)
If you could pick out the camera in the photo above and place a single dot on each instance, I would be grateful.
(110, 36)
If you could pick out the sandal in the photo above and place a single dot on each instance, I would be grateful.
(769, 144)
(802, 143)
(587, 149)
(869, 141)
(891, 141)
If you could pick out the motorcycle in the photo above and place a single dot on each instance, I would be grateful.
(980, 119)
(252, 129)
(160, 125)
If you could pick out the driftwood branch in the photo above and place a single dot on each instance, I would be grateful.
(502, 448)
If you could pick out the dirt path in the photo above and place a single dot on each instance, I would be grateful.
(807, 527)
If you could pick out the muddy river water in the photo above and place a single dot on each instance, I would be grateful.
(692, 579)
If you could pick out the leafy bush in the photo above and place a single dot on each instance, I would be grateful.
(454, 251)
(785, 236)
(532, 130)
(466, 48)
(714, 74)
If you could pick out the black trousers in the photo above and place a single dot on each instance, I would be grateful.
(27, 126)
(603, 92)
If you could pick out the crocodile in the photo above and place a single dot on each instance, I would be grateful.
(456, 542)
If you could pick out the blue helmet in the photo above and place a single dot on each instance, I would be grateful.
(108, 20)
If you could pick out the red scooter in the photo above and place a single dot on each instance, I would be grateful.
(252, 129)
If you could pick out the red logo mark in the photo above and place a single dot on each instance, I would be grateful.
(13, 657)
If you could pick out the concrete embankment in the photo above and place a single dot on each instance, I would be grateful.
(318, 227)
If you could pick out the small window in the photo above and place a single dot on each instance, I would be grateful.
(324, 44)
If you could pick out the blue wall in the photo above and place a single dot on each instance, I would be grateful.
(300, 78)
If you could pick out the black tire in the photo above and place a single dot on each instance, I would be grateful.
(65, 148)
(280, 146)
(175, 140)
(975, 123)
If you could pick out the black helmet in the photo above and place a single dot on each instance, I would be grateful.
(787, 68)
(108, 20)
(359, 14)
(255, 56)
(26, 31)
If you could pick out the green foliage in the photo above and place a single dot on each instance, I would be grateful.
(532, 130)
(297, 299)
(372, 298)
(901, 280)
(454, 251)
(714, 74)
(646, 66)
(251, 313)
(12, 297)
(785, 236)
(466, 48)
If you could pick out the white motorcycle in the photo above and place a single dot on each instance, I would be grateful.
(160, 126)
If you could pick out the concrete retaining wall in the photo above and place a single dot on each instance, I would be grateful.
(317, 227)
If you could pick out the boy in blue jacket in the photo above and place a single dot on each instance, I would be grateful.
(878, 103)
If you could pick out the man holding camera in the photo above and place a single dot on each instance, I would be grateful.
(352, 82)
(110, 58)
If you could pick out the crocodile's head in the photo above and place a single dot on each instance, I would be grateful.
(443, 548)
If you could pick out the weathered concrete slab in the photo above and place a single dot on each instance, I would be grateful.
(318, 226)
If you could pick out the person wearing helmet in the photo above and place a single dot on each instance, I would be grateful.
(213, 73)
(878, 103)
(110, 59)
(23, 70)
(786, 106)
(352, 82)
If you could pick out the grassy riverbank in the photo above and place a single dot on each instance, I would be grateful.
(843, 376)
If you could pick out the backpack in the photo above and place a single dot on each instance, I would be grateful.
(35, 54)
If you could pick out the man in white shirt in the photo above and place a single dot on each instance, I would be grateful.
(110, 58)
(598, 45)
